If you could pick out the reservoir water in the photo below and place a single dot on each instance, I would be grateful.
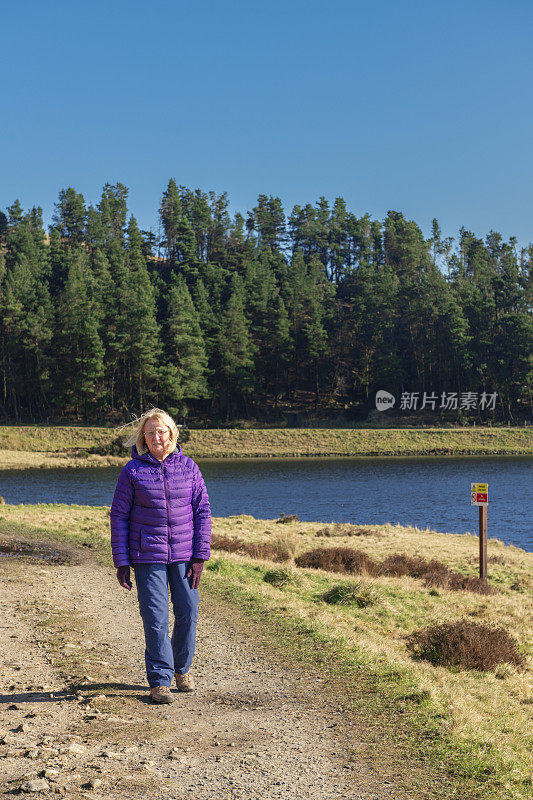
(428, 492)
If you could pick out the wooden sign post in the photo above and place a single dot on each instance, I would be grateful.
(479, 496)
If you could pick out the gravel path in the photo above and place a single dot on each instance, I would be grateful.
(75, 719)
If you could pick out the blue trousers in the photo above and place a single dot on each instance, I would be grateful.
(165, 656)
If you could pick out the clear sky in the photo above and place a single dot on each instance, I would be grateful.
(419, 106)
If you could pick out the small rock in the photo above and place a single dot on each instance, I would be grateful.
(33, 752)
(93, 783)
(15, 707)
(22, 728)
(36, 785)
(10, 739)
(48, 752)
(51, 774)
(110, 754)
(76, 749)
(13, 752)
(28, 776)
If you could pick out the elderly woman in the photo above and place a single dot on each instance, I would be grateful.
(161, 526)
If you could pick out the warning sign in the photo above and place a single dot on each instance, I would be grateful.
(479, 494)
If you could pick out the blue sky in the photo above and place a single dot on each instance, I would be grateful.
(418, 106)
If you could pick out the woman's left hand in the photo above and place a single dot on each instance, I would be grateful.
(194, 571)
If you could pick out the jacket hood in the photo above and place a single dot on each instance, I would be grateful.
(150, 458)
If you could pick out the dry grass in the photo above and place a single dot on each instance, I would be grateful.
(17, 459)
(345, 529)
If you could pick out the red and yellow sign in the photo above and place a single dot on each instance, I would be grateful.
(479, 494)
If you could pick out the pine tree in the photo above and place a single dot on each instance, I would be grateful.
(79, 352)
(25, 315)
(186, 342)
(180, 240)
(235, 348)
(140, 344)
(70, 216)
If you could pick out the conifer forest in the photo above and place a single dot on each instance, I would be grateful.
(272, 316)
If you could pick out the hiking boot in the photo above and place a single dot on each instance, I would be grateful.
(161, 694)
(185, 683)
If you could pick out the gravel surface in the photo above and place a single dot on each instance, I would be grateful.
(76, 720)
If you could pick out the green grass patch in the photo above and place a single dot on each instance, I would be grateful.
(349, 594)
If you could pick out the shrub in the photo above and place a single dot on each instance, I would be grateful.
(287, 518)
(465, 645)
(338, 559)
(223, 542)
(264, 550)
(348, 594)
(434, 572)
(399, 564)
(457, 582)
(281, 577)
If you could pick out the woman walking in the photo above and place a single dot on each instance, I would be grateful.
(161, 526)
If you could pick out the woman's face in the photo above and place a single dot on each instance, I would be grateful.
(157, 438)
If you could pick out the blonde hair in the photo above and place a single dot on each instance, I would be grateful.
(137, 437)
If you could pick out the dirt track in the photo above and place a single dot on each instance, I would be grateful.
(73, 700)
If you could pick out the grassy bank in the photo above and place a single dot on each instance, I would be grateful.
(69, 446)
(473, 724)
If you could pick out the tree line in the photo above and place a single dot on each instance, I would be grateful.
(218, 317)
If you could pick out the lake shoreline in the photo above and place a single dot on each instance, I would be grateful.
(66, 447)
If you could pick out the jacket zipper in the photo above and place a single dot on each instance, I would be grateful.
(168, 509)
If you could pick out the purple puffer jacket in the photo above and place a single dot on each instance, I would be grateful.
(160, 511)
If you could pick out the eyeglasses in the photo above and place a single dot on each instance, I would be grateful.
(160, 432)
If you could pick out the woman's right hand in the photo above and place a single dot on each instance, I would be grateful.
(123, 577)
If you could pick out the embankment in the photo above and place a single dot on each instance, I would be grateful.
(66, 446)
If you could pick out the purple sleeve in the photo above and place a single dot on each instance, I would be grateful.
(120, 519)
(201, 517)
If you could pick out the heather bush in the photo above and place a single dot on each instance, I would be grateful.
(457, 582)
(338, 559)
(261, 550)
(465, 645)
(222, 542)
(399, 564)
